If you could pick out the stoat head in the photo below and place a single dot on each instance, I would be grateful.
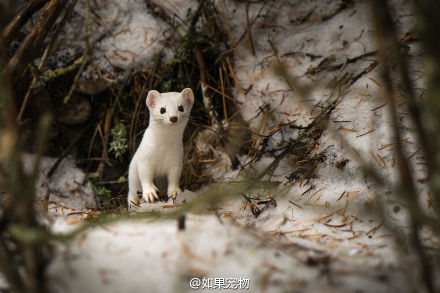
(170, 108)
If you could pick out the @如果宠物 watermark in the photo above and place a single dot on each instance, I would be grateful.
(220, 283)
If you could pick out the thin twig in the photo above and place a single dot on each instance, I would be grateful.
(46, 55)
(207, 100)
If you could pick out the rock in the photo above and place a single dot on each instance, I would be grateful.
(91, 87)
(78, 110)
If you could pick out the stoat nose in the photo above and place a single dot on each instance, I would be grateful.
(173, 119)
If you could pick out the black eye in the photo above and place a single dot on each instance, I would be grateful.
(162, 110)
(181, 108)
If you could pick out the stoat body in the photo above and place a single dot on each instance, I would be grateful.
(160, 152)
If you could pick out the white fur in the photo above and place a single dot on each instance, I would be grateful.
(161, 150)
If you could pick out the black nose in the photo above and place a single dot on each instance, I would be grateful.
(173, 119)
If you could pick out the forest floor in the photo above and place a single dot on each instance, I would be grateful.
(332, 231)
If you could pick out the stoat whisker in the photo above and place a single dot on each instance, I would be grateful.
(196, 119)
(140, 132)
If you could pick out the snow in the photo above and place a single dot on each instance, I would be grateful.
(335, 237)
(135, 37)
(67, 190)
(156, 257)
(123, 34)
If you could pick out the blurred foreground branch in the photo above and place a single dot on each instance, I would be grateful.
(428, 15)
(23, 241)
(30, 47)
(20, 19)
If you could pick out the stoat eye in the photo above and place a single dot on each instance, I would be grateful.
(162, 110)
(180, 108)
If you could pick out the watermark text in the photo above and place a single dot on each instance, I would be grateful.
(220, 283)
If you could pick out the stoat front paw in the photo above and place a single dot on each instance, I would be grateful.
(134, 202)
(133, 199)
(150, 194)
(173, 192)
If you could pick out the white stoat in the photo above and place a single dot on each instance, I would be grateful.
(161, 150)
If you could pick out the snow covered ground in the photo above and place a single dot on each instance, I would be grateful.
(332, 234)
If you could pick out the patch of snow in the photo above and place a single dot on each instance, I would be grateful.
(123, 34)
(66, 190)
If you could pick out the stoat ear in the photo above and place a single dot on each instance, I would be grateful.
(188, 96)
(152, 97)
